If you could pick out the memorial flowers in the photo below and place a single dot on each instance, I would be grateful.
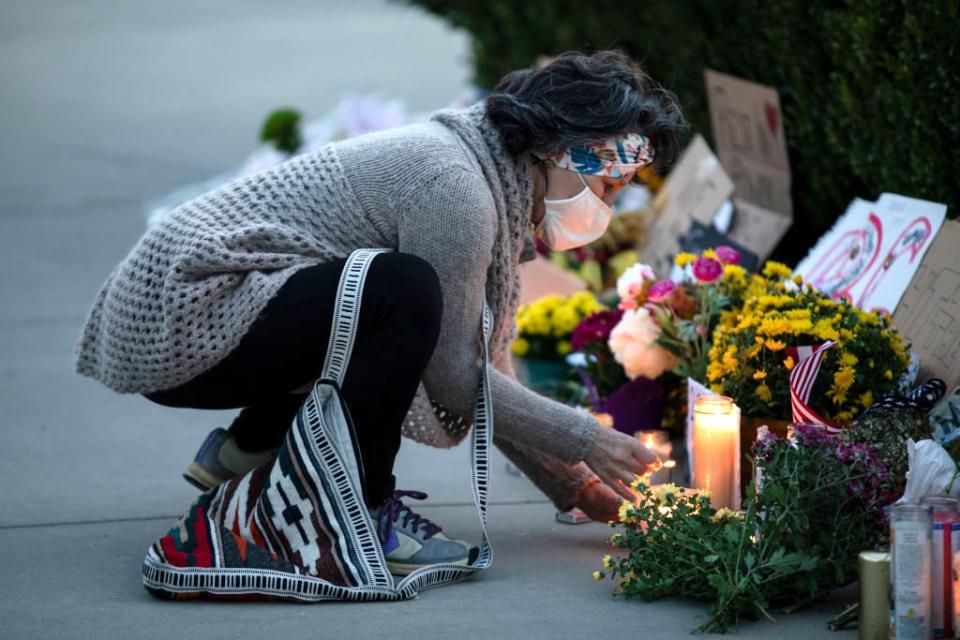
(544, 327)
(772, 315)
(666, 325)
(798, 537)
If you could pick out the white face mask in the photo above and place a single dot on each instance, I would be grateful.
(574, 222)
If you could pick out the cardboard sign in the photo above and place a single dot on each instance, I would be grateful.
(929, 312)
(758, 228)
(873, 251)
(696, 187)
(748, 129)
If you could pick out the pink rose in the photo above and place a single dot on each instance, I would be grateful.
(728, 255)
(707, 270)
(661, 291)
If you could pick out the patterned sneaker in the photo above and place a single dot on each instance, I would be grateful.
(410, 541)
(220, 459)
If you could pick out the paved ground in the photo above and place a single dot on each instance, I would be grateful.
(104, 105)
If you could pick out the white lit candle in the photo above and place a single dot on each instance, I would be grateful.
(716, 433)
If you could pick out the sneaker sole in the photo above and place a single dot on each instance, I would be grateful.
(201, 478)
(401, 569)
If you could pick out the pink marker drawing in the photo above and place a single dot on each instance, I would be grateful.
(847, 261)
(910, 243)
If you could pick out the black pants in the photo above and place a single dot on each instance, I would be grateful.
(284, 349)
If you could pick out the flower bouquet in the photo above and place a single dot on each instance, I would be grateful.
(772, 318)
(638, 355)
(544, 329)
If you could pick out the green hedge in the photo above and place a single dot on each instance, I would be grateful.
(870, 89)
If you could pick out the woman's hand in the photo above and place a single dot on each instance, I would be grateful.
(618, 458)
(599, 501)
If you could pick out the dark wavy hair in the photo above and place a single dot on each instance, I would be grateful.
(583, 98)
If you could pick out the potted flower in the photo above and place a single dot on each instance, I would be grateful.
(544, 329)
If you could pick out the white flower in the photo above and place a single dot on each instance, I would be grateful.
(634, 345)
(631, 282)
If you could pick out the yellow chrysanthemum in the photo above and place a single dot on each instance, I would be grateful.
(776, 270)
(801, 326)
(623, 513)
(722, 514)
(714, 371)
(684, 258)
(774, 326)
(825, 330)
(888, 374)
(717, 388)
(597, 576)
(763, 392)
(733, 272)
(729, 360)
(608, 562)
(759, 375)
(520, 347)
(776, 345)
(710, 253)
(866, 399)
(789, 363)
(666, 493)
(564, 347)
(847, 359)
(842, 381)
(565, 320)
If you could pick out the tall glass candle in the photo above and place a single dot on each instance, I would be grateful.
(911, 532)
(716, 464)
(946, 540)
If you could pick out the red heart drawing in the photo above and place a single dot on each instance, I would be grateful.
(771, 118)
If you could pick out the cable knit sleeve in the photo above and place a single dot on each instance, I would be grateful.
(559, 481)
(451, 223)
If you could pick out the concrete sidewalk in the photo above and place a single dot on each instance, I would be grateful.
(105, 105)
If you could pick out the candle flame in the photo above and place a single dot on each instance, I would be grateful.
(648, 443)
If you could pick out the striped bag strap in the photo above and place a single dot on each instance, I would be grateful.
(340, 346)
(480, 441)
(346, 314)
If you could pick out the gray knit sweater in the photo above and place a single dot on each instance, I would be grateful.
(444, 190)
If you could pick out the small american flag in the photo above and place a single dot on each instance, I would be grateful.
(802, 377)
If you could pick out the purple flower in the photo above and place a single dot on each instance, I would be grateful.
(812, 435)
(707, 270)
(728, 255)
(661, 291)
(595, 327)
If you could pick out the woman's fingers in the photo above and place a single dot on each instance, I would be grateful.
(646, 456)
(623, 489)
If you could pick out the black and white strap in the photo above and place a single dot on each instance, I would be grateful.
(340, 346)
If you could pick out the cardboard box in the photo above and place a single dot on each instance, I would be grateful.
(928, 315)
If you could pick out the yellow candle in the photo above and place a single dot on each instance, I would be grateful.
(716, 450)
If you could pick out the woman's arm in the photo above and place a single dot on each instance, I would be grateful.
(452, 223)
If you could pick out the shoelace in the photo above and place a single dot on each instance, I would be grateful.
(392, 508)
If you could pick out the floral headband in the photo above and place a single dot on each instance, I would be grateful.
(615, 158)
